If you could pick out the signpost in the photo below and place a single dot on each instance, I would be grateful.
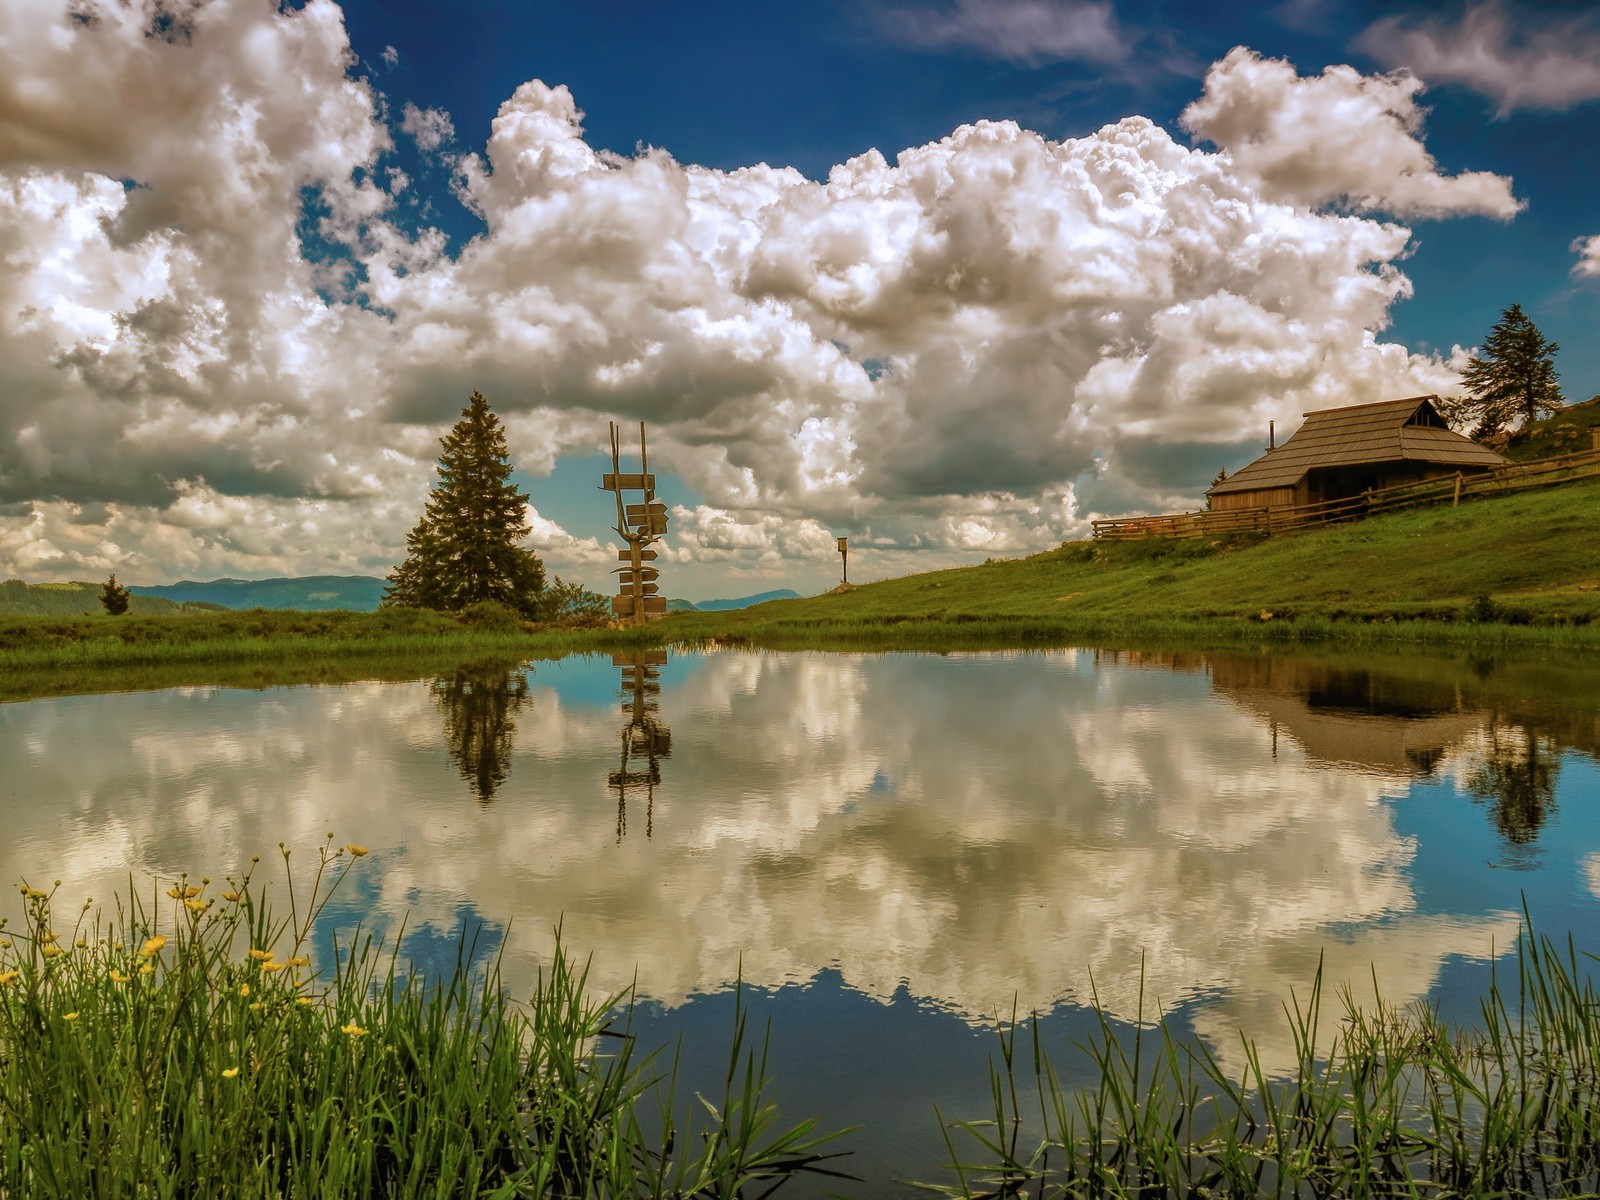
(844, 558)
(640, 525)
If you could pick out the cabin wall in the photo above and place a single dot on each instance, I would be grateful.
(1343, 483)
(1259, 498)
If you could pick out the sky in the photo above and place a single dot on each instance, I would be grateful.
(948, 277)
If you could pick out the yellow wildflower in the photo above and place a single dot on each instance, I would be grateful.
(152, 946)
(9, 976)
(147, 969)
(272, 966)
(244, 989)
(71, 1016)
(231, 897)
(257, 1007)
(353, 1030)
(261, 955)
(298, 999)
(197, 905)
(299, 962)
(82, 943)
(118, 977)
(49, 937)
(230, 1073)
(50, 950)
(356, 851)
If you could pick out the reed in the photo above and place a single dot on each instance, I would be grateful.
(1397, 1104)
(186, 1046)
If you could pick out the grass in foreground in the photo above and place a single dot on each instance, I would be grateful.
(1398, 1105)
(189, 1049)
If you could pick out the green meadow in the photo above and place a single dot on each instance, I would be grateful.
(1522, 569)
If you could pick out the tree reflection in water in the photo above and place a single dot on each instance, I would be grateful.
(1516, 777)
(645, 740)
(480, 702)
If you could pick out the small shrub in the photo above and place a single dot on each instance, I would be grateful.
(490, 616)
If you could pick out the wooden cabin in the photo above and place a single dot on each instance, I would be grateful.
(1341, 452)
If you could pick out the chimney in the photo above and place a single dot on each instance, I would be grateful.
(1272, 435)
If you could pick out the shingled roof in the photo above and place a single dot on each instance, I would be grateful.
(1389, 431)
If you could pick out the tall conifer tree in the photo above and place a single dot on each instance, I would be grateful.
(1510, 381)
(466, 547)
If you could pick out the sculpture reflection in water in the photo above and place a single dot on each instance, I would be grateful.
(480, 702)
(645, 740)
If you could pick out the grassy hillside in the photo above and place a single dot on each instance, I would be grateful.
(1567, 432)
(71, 599)
(1532, 559)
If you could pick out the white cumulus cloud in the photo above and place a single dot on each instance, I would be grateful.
(1340, 136)
(1518, 60)
(1588, 251)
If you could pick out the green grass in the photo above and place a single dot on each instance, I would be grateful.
(1523, 569)
(1398, 1104)
(189, 1048)
(312, 640)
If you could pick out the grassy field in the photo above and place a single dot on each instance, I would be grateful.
(34, 651)
(1522, 569)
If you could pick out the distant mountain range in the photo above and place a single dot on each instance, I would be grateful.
(746, 601)
(308, 593)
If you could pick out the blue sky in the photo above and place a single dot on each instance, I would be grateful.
(257, 264)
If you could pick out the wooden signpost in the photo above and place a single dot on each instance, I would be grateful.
(639, 524)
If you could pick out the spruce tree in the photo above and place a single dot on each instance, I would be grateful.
(114, 597)
(466, 549)
(1510, 381)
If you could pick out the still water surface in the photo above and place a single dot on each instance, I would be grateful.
(890, 848)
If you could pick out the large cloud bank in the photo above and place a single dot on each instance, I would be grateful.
(223, 351)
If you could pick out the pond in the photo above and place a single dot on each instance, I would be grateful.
(889, 850)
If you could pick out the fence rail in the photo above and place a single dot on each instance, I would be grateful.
(1285, 518)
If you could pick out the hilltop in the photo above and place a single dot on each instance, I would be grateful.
(306, 593)
(1569, 431)
(1528, 558)
(71, 599)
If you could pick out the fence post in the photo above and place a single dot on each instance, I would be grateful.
(1457, 498)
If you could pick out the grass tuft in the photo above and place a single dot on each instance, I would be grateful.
(187, 1047)
(1397, 1105)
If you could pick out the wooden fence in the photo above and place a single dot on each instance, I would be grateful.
(1284, 518)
